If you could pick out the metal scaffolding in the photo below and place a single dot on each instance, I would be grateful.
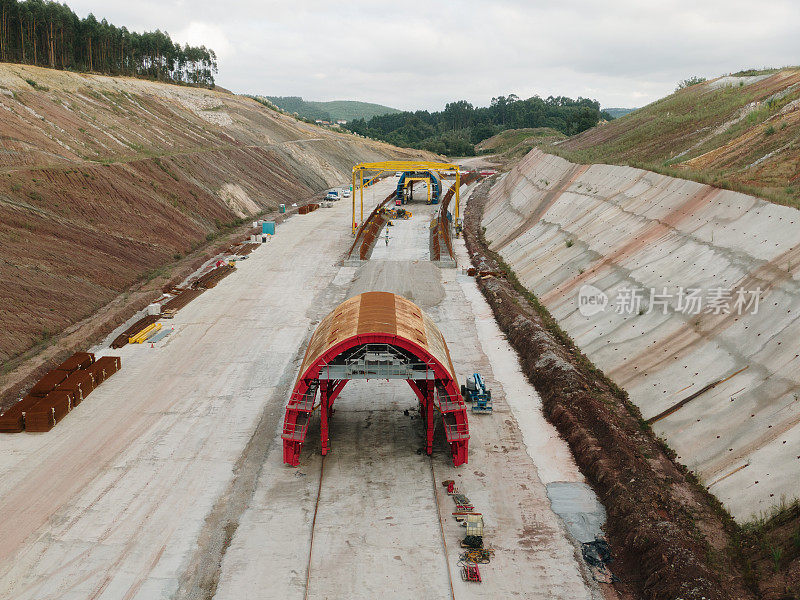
(405, 166)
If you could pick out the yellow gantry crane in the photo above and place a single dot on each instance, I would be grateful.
(375, 168)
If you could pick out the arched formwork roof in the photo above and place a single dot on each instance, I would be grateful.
(435, 179)
(412, 348)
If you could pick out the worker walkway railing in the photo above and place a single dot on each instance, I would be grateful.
(455, 431)
(448, 403)
(304, 403)
(296, 431)
(377, 361)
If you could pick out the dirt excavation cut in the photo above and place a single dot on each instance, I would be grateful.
(136, 174)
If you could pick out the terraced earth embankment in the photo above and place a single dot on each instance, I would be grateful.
(104, 180)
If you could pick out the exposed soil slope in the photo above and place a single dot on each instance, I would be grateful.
(738, 132)
(104, 180)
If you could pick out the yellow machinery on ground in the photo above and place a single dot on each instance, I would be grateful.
(398, 213)
(404, 166)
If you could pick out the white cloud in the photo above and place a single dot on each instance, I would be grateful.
(421, 54)
(204, 34)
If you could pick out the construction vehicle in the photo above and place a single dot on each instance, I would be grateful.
(400, 213)
(397, 213)
(475, 392)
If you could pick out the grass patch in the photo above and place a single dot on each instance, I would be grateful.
(36, 86)
(674, 136)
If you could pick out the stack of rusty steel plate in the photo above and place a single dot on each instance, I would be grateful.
(80, 383)
(79, 360)
(246, 249)
(12, 420)
(104, 367)
(213, 277)
(122, 338)
(48, 411)
(58, 392)
(304, 210)
(181, 299)
(48, 383)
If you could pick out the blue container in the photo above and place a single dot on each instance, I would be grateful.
(268, 227)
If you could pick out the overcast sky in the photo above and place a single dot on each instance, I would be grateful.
(413, 54)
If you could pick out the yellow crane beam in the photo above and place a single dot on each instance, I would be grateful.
(400, 165)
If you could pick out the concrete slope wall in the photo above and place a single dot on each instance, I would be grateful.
(604, 229)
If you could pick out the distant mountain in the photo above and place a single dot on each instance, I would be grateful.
(330, 111)
(618, 112)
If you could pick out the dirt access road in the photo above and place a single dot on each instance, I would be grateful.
(167, 482)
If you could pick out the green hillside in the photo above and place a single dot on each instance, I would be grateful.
(738, 131)
(330, 111)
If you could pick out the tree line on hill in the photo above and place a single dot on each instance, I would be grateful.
(455, 130)
(49, 34)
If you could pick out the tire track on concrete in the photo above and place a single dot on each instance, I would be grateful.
(201, 576)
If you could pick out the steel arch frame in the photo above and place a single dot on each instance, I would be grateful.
(441, 393)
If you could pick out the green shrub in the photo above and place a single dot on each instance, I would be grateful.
(690, 81)
(36, 86)
(776, 553)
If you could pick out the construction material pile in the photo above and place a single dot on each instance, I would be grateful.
(58, 392)
(182, 297)
(134, 329)
(467, 517)
(304, 210)
(145, 334)
(213, 277)
(245, 249)
(146, 327)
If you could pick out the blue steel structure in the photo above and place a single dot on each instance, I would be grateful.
(436, 183)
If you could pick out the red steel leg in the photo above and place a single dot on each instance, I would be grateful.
(429, 417)
(323, 405)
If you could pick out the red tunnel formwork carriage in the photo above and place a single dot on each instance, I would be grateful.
(376, 335)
